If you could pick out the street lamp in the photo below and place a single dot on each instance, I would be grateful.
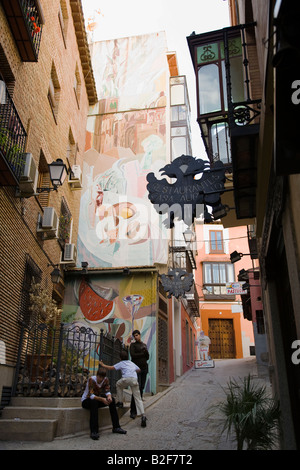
(188, 235)
(221, 211)
(58, 172)
(55, 275)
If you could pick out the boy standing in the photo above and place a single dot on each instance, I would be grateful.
(139, 355)
(129, 378)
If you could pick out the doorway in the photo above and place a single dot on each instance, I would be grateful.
(222, 339)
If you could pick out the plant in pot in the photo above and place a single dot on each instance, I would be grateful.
(42, 306)
(64, 228)
(250, 414)
(44, 311)
(7, 142)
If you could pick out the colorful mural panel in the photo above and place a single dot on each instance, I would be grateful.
(126, 138)
(116, 304)
(130, 73)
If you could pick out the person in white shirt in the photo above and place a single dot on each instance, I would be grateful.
(129, 379)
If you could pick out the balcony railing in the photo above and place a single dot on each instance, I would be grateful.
(192, 298)
(56, 362)
(25, 20)
(12, 141)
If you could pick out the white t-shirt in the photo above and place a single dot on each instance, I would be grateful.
(127, 368)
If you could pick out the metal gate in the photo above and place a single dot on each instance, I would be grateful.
(58, 361)
(222, 339)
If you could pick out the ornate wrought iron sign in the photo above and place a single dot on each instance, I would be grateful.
(177, 282)
(184, 198)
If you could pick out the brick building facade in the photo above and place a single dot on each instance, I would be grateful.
(47, 95)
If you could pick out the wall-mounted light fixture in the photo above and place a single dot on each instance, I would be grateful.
(55, 274)
(188, 235)
(235, 256)
(84, 265)
(58, 172)
(221, 211)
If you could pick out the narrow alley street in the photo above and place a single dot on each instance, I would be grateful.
(178, 419)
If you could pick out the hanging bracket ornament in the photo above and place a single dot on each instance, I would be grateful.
(184, 199)
(177, 282)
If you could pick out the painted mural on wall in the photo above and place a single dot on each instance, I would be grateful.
(126, 138)
(117, 304)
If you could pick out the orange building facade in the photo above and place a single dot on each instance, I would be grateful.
(221, 315)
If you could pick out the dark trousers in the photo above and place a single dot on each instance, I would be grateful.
(93, 406)
(142, 380)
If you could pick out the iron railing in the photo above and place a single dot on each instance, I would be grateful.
(25, 19)
(56, 362)
(12, 134)
(33, 23)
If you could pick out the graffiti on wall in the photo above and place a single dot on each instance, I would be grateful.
(116, 304)
(126, 138)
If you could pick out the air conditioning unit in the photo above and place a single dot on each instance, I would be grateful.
(48, 222)
(29, 177)
(69, 255)
(75, 178)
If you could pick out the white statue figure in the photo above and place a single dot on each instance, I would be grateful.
(204, 342)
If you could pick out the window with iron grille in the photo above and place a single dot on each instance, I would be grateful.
(32, 273)
(65, 224)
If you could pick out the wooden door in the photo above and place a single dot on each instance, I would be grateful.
(221, 335)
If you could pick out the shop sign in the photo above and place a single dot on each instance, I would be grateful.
(235, 288)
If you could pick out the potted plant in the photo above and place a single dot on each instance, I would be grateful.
(44, 312)
(11, 150)
(251, 414)
(42, 305)
(64, 228)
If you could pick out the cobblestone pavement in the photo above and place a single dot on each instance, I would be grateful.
(179, 418)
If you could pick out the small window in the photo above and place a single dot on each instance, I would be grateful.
(63, 19)
(54, 92)
(260, 324)
(208, 76)
(65, 224)
(216, 241)
(72, 148)
(221, 142)
(77, 85)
